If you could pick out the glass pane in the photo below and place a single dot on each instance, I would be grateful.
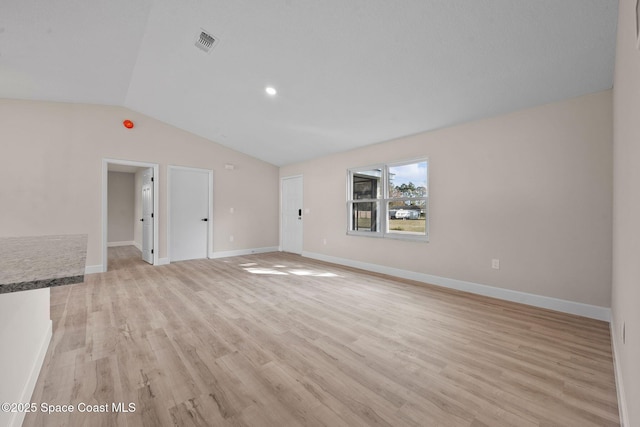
(365, 216)
(407, 217)
(408, 180)
(366, 184)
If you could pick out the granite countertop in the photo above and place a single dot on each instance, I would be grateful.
(41, 261)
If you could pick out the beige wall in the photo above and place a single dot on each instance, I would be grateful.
(532, 188)
(51, 172)
(626, 212)
(120, 202)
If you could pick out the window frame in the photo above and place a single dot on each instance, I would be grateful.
(383, 200)
(351, 201)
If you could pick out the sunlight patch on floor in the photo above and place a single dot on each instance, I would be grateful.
(265, 271)
(312, 273)
(251, 268)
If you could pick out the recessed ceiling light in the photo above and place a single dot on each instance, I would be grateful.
(270, 90)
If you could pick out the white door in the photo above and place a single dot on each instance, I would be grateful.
(147, 215)
(291, 211)
(189, 213)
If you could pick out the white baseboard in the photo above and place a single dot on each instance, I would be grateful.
(240, 252)
(125, 243)
(93, 269)
(622, 401)
(29, 387)
(565, 306)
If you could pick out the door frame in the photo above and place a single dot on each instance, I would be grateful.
(282, 179)
(105, 192)
(170, 169)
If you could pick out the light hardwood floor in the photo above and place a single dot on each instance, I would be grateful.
(281, 340)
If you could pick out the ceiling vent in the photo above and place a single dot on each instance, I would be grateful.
(206, 41)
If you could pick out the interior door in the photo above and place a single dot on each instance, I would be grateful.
(147, 215)
(292, 215)
(189, 213)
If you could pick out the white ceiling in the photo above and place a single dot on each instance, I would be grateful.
(348, 73)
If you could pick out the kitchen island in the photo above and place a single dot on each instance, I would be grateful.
(36, 262)
(29, 267)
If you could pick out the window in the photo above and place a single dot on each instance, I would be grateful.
(389, 200)
(365, 204)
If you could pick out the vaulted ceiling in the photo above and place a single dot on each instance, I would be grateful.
(347, 73)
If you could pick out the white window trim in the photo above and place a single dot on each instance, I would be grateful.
(382, 220)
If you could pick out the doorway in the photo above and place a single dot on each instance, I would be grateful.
(144, 237)
(190, 211)
(291, 212)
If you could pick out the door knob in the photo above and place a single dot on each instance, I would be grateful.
(204, 219)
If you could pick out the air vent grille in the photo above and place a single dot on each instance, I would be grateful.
(205, 41)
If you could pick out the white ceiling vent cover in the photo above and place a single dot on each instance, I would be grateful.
(206, 41)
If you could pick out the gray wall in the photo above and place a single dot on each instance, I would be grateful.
(121, 203)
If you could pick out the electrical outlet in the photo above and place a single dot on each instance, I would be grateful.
(324, 241)
(495, 264)
(231, 238)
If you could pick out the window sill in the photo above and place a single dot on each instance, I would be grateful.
(413, 237)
